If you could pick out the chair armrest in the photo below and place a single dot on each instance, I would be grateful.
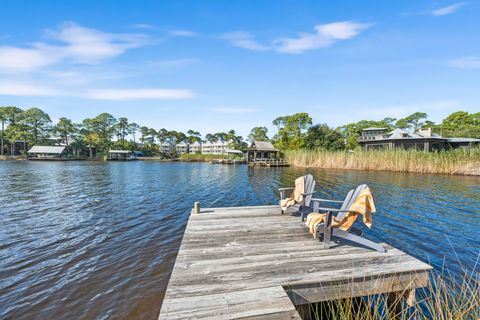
(325, 200)
(335, 210)
(284, 189)
(308, 194)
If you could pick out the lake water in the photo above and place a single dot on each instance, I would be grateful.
(98, 240)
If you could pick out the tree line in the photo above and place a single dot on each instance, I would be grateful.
(97, 135)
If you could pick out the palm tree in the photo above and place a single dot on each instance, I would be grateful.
(211, 138)
(122, 129)
(65, 127)
(133, 129)
(88, 133)
(11, 114)
(3, 119)
(36, 120)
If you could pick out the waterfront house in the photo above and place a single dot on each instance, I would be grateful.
(219, 147)
(47, 152)
(207, 148)
(423, 139)
(167, 148)
(196, 147)
(181, 148)
(121, 155)
(261, 150)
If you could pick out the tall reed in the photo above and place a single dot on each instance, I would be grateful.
(459, 161)
(444, 298)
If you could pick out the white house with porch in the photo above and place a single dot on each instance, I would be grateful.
(196, 147)
(181, 148)
(167, 148)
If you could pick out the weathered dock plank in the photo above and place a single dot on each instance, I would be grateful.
(253, 262)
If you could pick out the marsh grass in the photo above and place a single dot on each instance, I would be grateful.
(207, 157)
(459, 161)
(445, 298)
(201, 157)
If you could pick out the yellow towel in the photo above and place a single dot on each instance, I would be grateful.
(296, 196)
(364, 205)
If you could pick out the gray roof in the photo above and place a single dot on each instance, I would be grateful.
(47, 149)
(120, 151)
(367, 129)
(459, 140)
(403, 134)
(263, 145)
(234, 151)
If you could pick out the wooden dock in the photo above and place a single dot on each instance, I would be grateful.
(255, 263)
(268, 163)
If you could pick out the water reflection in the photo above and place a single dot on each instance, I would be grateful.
(99, 239)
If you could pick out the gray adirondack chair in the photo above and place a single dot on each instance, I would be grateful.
(328, 230)
(306, 199)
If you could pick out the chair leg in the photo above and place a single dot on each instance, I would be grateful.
(351, 237)
(327, 230)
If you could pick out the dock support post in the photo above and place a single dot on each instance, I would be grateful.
(196, 207)
(396, 300)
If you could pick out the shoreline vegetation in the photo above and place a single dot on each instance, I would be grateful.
(445, 297)
(451, 162)
(303, 143)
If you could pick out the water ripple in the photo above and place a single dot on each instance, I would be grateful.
(99, 239)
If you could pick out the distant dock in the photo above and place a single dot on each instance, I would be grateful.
(255, 263)
(268, 163)
(228, 161)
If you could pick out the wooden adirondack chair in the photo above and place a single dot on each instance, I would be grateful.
(309, 187)
(328, 230)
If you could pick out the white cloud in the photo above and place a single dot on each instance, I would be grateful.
(448, 9)
(23, 89)
(14, 59)
(174, 63)
(326, 35)
(138, 94)
(244, 40)
(142, 26)
(37, 90)
(70, 43)
(181, 33)
(472, 62)
(235, 110)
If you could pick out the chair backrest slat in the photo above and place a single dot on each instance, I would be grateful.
(348, 202)
(309, 187)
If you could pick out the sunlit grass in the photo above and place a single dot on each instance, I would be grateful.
(459, 161)
(444, 298)
(201, 157)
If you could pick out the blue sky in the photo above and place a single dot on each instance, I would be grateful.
(217, 65)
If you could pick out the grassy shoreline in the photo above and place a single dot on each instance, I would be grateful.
(452, 162)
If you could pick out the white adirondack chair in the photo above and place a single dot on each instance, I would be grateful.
(300, 207)
(327, 230)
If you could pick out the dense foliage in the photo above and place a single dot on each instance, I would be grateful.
(20, 128)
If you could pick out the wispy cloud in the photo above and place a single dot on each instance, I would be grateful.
(235, 110)
(244, 40)
(437, 12)
(139, 94)
(181, 33)
(142, 26)
(173, 63)
(24, 89)
(70, 43)
(471, 62)
(448, 9)
(115, 94)
(324, 36)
